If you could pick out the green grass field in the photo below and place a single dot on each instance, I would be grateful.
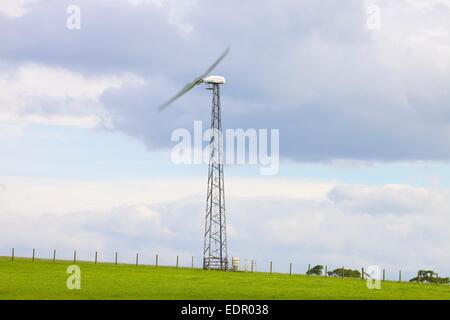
(42, 279)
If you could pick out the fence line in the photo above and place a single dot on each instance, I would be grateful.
(192, 265)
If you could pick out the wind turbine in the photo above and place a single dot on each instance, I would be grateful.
(215, 239)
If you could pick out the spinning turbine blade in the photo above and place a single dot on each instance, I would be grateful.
(192, 84)
(185, 89)
(223, 55)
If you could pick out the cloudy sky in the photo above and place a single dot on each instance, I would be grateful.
(362, 105)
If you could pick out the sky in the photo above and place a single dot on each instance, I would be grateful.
(357, 89)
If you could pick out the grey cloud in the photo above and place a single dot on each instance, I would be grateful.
(325, 89)
(50, 105)
(310, 69)
(114, 36)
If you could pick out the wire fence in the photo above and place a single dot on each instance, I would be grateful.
(109, 257)
(186, 261)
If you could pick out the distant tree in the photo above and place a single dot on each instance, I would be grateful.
(348, 273)
(317, 271)
(429, 276)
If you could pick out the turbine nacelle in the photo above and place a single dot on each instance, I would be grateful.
(214, 80)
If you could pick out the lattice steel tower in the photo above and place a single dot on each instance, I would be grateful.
(215, 245)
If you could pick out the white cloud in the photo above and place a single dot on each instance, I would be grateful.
(178, 11)
(35, 93)
(33, 196)
(333, 223)
(15, 8)
(389, 199)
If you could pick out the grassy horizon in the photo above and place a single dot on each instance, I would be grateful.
(46, 280)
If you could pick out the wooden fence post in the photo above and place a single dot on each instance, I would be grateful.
(270, 267)
(177, 261)
(326, 271)
(290, 268)
(54, 255)
(12, 255)
(32, 259)
(362, 273)
(156, 261)
(137, 259)
(384, 275)
(74, 256)
(95, 262)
